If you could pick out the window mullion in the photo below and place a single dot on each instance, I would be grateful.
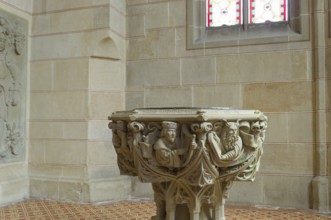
(245, 14)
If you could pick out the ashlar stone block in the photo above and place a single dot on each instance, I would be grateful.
(134, 100)
(37, 151)
(296, 191)
(156, 44)
(261, 67)
(14, 190)
(286, 97)
(157, 15)
(101, 153)
(135, 25)
(58, 130)
(97, 130)
(44, 189)
(41, 23)
(41, 76)
(162, 97)
(45, 171)
(66, 74)
(136, 2)
(57, 171)
(117, 20)
(198, 71)
(142, 74)
(301, 120)
(176, 15)
(106, 75)
(74, 191)
(247, 192)
(100, 104)
(75, 152)
(60, 46)
(213, 95)
(291, 159)
(59, 105)
(42, 6)
(103, 172)
(278, 128)
(73, 20)
(117, 188)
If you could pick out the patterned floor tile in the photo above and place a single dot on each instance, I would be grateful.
(135, 210)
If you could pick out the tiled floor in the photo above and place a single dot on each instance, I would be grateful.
(134, 210)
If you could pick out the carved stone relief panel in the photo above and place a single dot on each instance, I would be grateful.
(13, 71)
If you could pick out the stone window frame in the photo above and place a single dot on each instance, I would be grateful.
(199, 36)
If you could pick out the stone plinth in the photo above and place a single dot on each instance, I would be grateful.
(190, 155)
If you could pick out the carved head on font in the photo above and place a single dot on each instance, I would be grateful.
(169, 131)
(230, 134)
(258, 126)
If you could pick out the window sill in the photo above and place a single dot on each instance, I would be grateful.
(221, 38)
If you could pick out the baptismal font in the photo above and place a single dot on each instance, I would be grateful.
(190, 155)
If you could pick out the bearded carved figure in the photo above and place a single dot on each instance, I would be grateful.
(191, 156)
(232, 144)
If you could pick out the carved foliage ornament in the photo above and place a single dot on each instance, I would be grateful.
(169, 147)
(12, 85)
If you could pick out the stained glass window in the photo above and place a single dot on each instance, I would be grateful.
(223, 12)
(263, 11)
(230, 12)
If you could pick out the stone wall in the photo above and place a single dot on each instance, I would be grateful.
(77, 80)
(14, 32)
(276, 78)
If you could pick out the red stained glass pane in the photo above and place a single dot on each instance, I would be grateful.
(223, 12)
(263, 11)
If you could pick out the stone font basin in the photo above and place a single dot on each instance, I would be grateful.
(190, 155)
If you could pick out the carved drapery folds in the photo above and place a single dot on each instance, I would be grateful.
(191, 156)
(13, 63)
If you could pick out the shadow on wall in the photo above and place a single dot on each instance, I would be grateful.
(106, 49)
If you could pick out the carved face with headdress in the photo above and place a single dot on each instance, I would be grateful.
(230, 135)
(258, 126)
(169, 131)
